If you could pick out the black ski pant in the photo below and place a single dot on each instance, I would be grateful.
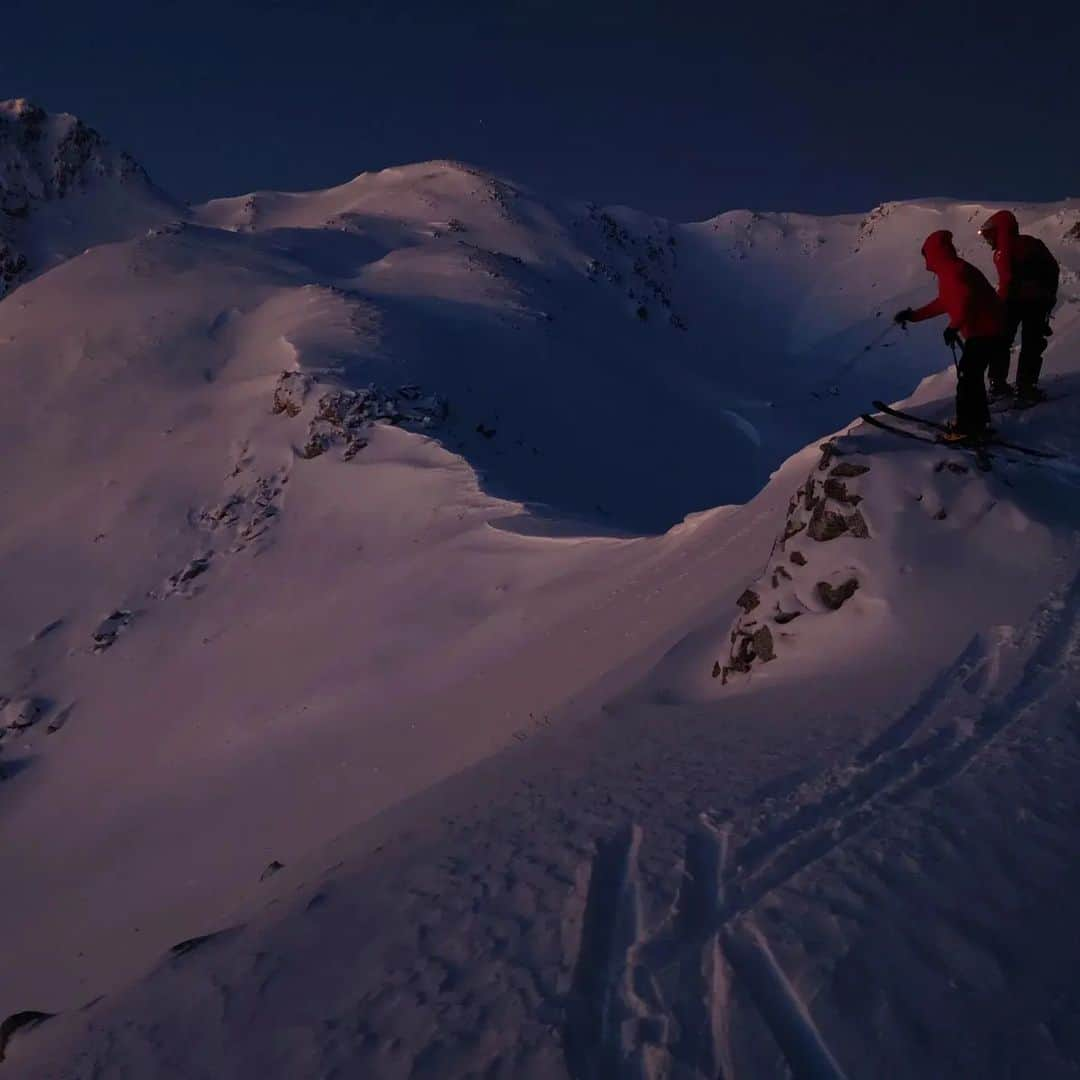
(1032, 319)
(972, 411)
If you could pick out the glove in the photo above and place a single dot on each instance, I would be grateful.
(951, 336)
(902, 318)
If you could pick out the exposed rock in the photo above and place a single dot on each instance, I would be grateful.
(748, 601)
(318, 443)
(344, 416)
(743, 653)
(748, 646)
(792, 527)
(857, 527)
(248, 512)
(778, 573)
(735, 667)
(783, 617)
(834, 596)
(110, 628)
(837, 490)
(798, 558)
(345, 408)
(828, 452)
(289, 394)
(1074, 232)
(941, 515)
(353, 447)
(763, 644)
(271, 869)
(827, 524)
(194, 569)
(848, 470)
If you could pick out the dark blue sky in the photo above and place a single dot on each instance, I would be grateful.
(683, 109)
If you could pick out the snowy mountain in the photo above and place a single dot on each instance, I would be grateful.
(378, 565)
(64, 189)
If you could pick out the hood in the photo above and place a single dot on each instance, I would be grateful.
(938, 250)
(998, 227)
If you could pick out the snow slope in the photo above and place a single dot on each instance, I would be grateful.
(387, 669)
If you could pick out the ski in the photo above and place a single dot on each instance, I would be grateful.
(1008, 405)
(901, 415)
(982, 455)
(937, 425)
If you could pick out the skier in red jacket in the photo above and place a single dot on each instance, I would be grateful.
(1028, 285)
(976, 319)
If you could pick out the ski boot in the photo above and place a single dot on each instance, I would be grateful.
(999, 391)
(1026, 396)
(956, 434)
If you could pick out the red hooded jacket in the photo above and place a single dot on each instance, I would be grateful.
(1026, 269)
(969, 299)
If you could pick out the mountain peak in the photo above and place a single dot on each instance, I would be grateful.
(48, 155)
(21, 108)
(47, 159)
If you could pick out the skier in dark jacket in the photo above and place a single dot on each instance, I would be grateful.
(976, 320)
(1027, 285)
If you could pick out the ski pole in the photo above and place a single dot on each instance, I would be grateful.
(831, 389)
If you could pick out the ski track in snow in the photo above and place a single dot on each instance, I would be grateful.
(711, 932)
(678, 982)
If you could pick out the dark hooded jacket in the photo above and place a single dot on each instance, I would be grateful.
(1027, 272)
(963, 293)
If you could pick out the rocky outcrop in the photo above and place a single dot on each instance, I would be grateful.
(748, 601)
(110, 628)
(291, 392)
(344, 417)
(834, 596)
(822, 510)
(640, 265)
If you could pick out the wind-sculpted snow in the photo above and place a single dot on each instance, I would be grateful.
(367, 557)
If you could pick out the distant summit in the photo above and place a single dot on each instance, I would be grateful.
(45, 156)
(48, 158)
